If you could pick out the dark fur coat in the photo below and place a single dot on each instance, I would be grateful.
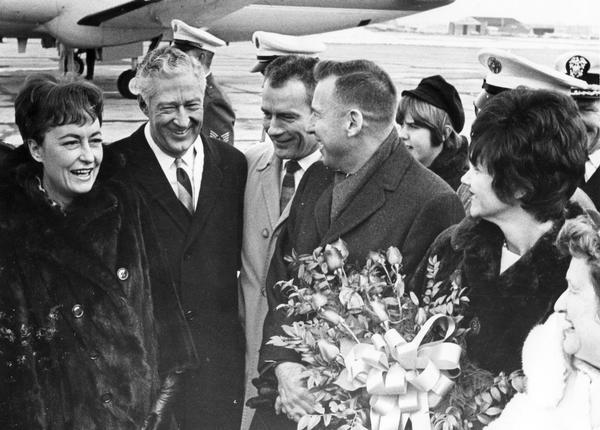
(504, 307)
(79, 334)
(452, 163)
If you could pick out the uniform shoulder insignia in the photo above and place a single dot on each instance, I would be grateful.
(222, 137)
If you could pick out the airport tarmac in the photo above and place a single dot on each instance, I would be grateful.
(407, 57)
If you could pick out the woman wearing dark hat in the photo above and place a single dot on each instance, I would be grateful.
(431, 116)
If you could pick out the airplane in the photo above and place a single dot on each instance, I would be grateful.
(120, 27)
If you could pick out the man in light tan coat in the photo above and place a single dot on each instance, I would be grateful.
(275, 168)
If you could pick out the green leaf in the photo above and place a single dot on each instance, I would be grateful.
(414, 298)
(495, 392)
(493, 411)
(484, 419)
(313, 421)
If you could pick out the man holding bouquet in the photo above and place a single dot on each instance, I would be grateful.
(368, 191)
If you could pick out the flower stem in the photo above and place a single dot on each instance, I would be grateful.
(345, 326)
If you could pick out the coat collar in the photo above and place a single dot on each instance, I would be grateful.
(151, 178)
(43, 224)
(480, 243)
(370, 198)
(269, 169)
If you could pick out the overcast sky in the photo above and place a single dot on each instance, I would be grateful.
(564, 12)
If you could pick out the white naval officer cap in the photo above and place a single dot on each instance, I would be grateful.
(272, 45)
(509, 71)
(186, 36)
(584, 66)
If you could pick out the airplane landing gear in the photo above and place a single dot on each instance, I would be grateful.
(78, 64)
(125, 78)
(124, 82)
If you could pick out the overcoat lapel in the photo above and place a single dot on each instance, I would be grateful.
(152, 179)
(323, 211)
(210, 189)
(269, 182)
(370, 198)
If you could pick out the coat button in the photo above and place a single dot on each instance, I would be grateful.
(122, 273)
(189, 315)
(94, 355)
(475, 325)
(265, 233)
(77, 311)
(106, 398)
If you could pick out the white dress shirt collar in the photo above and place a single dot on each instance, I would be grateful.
(304, 163)
(592, 164)
(193, 160)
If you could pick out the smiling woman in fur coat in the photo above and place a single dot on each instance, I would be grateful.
(82, 344)
(561, 358)
(526, 157)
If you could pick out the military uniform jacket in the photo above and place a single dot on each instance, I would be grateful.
(204, 255)
(79, 332)
(219, 117)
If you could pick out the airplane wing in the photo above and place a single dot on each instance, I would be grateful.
(158, 13)
(98, 18)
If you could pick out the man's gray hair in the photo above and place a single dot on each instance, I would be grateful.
(164, 63)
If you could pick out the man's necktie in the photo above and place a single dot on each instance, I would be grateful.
(184, 186)
(288, 186)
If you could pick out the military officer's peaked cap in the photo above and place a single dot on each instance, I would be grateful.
(272, 45)
(186, 36)
(509, 71)
(584, 66)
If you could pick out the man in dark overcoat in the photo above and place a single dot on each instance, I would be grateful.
(194, 187)
(368, 191)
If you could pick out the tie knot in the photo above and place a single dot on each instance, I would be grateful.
(292, 166)
(178, 162)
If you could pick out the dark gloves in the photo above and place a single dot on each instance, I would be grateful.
(267, 392)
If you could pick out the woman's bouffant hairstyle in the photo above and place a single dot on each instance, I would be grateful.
(580, 238)
(532, 142)
(45, 102)
(428, 116)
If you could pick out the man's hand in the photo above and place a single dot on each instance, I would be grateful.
(294, 398)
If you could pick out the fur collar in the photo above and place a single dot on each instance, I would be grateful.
(27, 207)
(480, 243)
(451, 164)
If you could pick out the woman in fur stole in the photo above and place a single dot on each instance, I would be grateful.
(81, 340)
(561, 358)
(526, 157)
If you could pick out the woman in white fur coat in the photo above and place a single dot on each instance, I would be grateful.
(561, 358)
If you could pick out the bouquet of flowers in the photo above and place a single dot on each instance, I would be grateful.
(376, 356)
